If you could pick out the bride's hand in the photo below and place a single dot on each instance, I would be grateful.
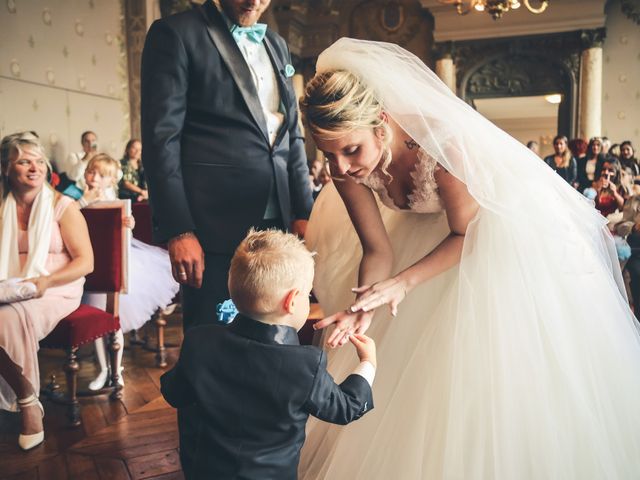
(390, 292)
(346, 324)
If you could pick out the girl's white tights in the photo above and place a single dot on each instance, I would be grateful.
(103, 354)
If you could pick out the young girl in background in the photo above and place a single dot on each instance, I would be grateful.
(151, 285)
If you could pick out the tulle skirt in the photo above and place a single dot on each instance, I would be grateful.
(151, 286)
(517, 364)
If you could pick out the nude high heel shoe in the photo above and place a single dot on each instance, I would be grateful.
(27, 442)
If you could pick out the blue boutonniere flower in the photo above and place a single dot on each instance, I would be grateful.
(289, 71)
(226, 311)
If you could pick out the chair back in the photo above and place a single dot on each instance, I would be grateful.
(107, 233)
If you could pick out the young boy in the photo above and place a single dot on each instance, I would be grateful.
(251, 382)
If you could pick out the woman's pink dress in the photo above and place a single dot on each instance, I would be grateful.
(24, 324)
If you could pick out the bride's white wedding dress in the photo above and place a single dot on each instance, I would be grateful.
(522, 362)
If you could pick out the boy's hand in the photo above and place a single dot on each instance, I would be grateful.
(365, 347)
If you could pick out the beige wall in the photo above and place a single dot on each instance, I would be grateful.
(621, 78)
(63, 71)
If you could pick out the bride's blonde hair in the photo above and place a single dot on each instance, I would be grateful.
(336, 102)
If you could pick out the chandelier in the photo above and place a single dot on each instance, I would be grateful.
(495, 8)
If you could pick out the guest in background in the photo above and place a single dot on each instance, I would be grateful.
(614, 151)
(609, 195)
(606, 145)
(562, 161)
(150, 267)
(578, 148)
(77, 162)
(590, 166)
(320, 176)
(534, 147)
(133, 185)
(43, 239)
(629, 160)
(629, 228)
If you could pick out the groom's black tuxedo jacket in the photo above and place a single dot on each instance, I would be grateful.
(206, 152)
(254, 387)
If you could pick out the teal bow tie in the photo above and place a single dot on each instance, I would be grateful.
(255, 33)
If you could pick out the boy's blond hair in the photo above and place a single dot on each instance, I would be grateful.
(105, 165)
(265, 266)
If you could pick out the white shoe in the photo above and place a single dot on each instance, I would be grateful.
(100, 381)
(27, 442)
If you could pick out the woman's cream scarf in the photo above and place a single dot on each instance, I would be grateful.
(39, 232)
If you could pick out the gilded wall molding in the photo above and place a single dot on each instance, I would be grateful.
(135, 28)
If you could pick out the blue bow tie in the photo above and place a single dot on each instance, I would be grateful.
(255, 33)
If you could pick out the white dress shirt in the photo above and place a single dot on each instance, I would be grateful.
(264, 79)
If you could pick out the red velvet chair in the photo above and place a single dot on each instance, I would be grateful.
(88, 323)
(143, 231)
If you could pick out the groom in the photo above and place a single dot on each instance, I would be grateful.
(222, 150)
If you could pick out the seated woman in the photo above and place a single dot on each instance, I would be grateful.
(610, 195)
(132, 185)
(43, 239)
(151, 285)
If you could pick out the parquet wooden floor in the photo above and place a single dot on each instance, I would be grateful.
(133, 438)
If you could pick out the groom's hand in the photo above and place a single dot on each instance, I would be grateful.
(187, 259)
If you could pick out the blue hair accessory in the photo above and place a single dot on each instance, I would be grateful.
(226, 311)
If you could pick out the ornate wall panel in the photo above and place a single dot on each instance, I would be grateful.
(525, 66)
(135, 27)
(62, 71)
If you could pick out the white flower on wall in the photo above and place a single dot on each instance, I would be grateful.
(47, 17)
(51, 77)
(15, 68)
(79, 27)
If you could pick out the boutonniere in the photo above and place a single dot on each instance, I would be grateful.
(226, 311)
(289, 71)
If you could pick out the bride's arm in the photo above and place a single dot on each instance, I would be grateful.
(461, 208)
(377, 256)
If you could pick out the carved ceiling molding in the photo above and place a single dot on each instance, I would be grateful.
(169, 7)
(631, 8)
(561, 16)
(388, 21)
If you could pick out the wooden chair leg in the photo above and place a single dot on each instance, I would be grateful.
(135, 339)
(161, 354)
(114, 347)
(71, 370)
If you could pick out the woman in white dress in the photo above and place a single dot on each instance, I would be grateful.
(508, 350)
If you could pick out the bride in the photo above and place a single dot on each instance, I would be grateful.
(506, 346)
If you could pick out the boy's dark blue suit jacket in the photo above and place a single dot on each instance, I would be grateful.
(254, 387)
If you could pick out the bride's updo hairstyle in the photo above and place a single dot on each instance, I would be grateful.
(335, 103)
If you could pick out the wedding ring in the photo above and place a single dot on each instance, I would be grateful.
(182, 274)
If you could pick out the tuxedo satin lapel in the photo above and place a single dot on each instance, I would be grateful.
(235, 62)
(278, 68)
